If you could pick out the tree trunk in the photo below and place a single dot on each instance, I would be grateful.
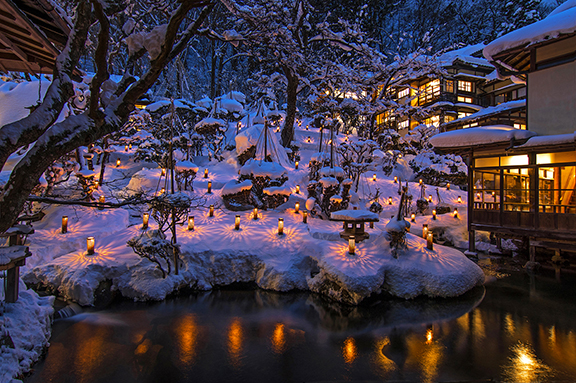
(213, 71)
(291, 98)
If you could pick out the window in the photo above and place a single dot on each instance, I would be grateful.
(520, 126)
(404, 124)
(487, 189)
(428, 92)
(557, 189)
(463, 114)
(449, 86)
(432, 120)
(467, 100)
(517, 189)
(464, 86)
(449, 118)
(404, 93)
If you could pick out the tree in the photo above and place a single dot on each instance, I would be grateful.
(110, 103)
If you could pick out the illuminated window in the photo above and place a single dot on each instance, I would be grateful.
(520, 126)
(428, 92)
(463, 114)
(404, 124)
(404, 93)
(465, 99)
(449, 118)
(464, 86)
(449, 86)
(432, 120)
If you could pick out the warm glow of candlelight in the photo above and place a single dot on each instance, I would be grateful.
(374, 177)
(389, 200)
(90, 245)
(455, 213)
(371, 225)
(130, 146)
(280, 226)
(297, 207)
(448, 186)
(125, 148)
(205, 173)
(145, 218)
(191, 222)
(237, 223)
(413, 217)
(425, 231)
(209, 187)
(304, 216)
(211, 211)
(429, 336)
(64, 224)
(429, 241)
(296, 165)
(162, 191)
(430, 198)
(101, 199)
(459, 199)
(255, 214)
(308, 139)
(297, 189)
(434, 214)
(351, 245)
(118, 162)
(420, 181)
(395, 179)
(163, 172)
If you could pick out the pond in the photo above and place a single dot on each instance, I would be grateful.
(519, 328)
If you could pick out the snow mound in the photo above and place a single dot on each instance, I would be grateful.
(235, 187)
(353, 215)
(263, 169)
(247, 138)
(479, 136)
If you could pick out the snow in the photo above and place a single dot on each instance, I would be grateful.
(186, 165)
(235, 187)
(263, 169)
(183, 104)
(205, 103)
(491, 110)
(278, 190)
(465, 55)
(335, 171)
(247, 138)
(210, 121)
(230, 106)
(27, 323)
(152, 41)
(561, 21)
(354, 215)
(479, 136)
(557, 139)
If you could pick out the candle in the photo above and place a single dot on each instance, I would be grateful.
(371, 225)
(145, 218)
(395, 179)
(163, 172)
(90, 245)
(118, 162)
(304, 216)
(125, 148)
(420, 181)
(209, 187)
(297, 189)
(429, 198)
(434, 214)
(351, 245)
(374, 177)
(459, 199)
(455, 213)
(237, 223)
(425, 231)
(205, 173)
(64, 224)
(297, 208)
(211, 211)
(101, 199)
(191, 222)
(413, 217)
(296, 165)
(389, 200)
(255, 215)
(448, 186)
(429, 241)
(280, 226)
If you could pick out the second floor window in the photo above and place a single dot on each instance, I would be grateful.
(464, 86)
(449, 86)
(467, 100)
(404, 124)
(404, 93)
(429, 91)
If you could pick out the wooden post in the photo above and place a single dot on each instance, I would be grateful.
(532, 251)
(12, 281)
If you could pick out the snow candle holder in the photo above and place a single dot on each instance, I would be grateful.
(308, 139)
(389, 200)
(351, 245)
(395, 179)
(430, 241)
(296, 165)
(448, 186)
(211, 211)
(130, 146)
(297, 189)
(304, 216)
(297, 208)
(374, 177)
(455, 213)
(255, 214)
(237, 223)
(459, 199)
(209, 187)
(205, 173)
(434, 215)
(307, 127)
(413, 218)
(118, 163)
(145, 219)
(64, 224)
(191, 223)
(90, 245)
(425, 231)
(280, 226)
(101, 200)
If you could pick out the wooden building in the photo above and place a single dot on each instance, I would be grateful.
(32, 34)
(522, 183)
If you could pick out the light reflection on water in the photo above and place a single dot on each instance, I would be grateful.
(240, 336)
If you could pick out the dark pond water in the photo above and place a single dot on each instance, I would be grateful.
(516, 329)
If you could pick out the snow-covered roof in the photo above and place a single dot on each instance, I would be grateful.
(557, 139)
(489, 111)
(354, 215)
(465, 55)
(561, 21)
(483, 135)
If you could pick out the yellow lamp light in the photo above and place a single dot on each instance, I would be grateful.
(90, 245)
(425, 231)
(237, 223)
(145, 219)
(255, 214)
(118, 162)
(280, 226)
(296, 165)
(191, 223)
(413, 217)
(434, 214)
(297, 207)
(64, 224)
(304, 216)
(351, 245)
(205, 173)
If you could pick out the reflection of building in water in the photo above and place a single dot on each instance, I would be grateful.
(235, 340)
